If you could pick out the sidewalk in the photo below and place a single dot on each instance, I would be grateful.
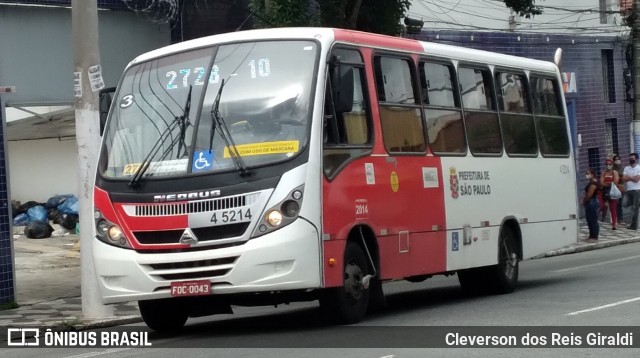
(48, 280)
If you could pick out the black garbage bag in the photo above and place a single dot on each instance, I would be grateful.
(25, 207)
(57, 200)
(67, 221)
(53, 214)
(38, 230)
(14, 208)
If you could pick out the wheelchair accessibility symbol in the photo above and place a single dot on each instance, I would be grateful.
(202, 160)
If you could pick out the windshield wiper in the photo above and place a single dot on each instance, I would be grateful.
(218, 123)
(181, 121)
(184, 123)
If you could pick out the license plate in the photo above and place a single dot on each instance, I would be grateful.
(191, 288)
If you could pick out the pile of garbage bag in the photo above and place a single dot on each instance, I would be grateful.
(59, 209)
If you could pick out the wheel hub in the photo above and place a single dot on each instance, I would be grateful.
(353, 281)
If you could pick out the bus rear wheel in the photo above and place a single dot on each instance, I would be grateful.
(164, 315)
(498, 279)
(504, 275)
(348, 304)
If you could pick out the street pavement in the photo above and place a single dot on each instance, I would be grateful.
(48, 279)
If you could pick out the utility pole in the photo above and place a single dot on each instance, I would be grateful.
(635, 38)
(87, 82)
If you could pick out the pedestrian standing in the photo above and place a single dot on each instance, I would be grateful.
(591, 204)
(608, 178)
(631, 177)
(617, 166)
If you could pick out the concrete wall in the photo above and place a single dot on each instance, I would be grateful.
(39, 169)
(37, 49)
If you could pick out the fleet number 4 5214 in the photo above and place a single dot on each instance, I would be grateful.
(231, 216)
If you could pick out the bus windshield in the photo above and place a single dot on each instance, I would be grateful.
(162, 118)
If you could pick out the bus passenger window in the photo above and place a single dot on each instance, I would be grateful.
(550, 120)
(400, 115)
(480, 117)
(516, 117)
(442, 109)
(347, 134)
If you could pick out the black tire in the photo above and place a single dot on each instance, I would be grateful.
(348, 304)
(504, 275)
(164, 315)
(497, 279)
(473, 281)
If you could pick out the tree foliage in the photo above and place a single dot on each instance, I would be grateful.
(283, 13)
(526, 8)
(379, 16)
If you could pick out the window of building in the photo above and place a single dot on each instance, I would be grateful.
(593, 155)
(549, 116)
(608, 78)
(480, 116)
(400, 113)
(611, 136)
(445, 129)
(516, 117)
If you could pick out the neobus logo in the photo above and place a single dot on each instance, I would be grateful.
(186, 196)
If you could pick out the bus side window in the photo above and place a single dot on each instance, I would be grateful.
(347, 133)
(400, 112)
(480, 115)
(549, 117)
(442, 109)
(516, 117)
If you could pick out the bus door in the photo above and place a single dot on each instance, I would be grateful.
(410, 181)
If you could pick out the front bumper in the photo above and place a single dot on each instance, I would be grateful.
(286, 259)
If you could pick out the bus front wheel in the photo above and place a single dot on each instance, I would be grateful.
(348, 304)
(164, 315)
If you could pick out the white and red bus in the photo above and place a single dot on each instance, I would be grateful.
(271, 166)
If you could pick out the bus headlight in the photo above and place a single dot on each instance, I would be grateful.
(114, 233)
(102, 226)
(274, 218)
(281, 214)
(290, 208)
(108, 232)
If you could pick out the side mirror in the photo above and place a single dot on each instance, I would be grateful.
(343, 89)
(106, 97)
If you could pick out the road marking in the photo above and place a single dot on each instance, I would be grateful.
(604, 306)
(93, 354)
(575, 268)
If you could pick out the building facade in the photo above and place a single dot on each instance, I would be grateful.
(38, 156)
(594, 41)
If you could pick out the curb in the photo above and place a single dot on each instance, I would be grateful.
(587, 247)
(108, 322)
(96, 324)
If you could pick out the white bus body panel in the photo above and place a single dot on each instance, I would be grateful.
(493, 190)
(282, 260)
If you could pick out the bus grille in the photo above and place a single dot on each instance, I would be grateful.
(183, 208)
(201, 269)
(203, 234)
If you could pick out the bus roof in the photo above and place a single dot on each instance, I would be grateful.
(330, 35)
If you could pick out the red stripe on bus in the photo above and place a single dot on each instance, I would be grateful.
(378, 40)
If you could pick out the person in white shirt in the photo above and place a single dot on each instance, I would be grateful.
(631, 177)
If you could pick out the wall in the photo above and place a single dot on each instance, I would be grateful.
(39, 169)
(7, 273)
(37, 49)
